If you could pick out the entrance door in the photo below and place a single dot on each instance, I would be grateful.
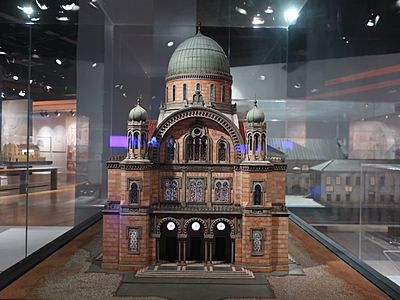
(221, 249)
(196, 248)
(170, 248)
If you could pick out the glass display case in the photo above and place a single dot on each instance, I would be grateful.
(325, 74)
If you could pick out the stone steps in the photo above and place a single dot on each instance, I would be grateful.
(147, 273)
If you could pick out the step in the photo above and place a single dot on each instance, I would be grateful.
(194, 274)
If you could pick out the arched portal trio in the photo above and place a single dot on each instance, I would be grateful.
(195, 240)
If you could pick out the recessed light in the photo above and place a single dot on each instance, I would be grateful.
(269, 10)
(257, 20)
(170, 44)
(63, 19)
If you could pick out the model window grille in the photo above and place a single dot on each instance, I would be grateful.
(222, 191)
(257, 194)
(133, 193)
(222, 151)
(372, 180)
(133, 240)
(196, 190)
(197, 146)
(358, 180)
(338, 180)
(338, 197)
(173, 93)
(222, 93)
(170, 149)
(184, 91)
(328, 197)
(347, 197)
(212, 92)
(257, 241)
(198, 87)
(328, 180)
(348, 180)
(170, 190)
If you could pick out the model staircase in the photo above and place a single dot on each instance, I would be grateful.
(199, 271)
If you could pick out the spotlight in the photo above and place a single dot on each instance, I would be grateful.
(291, 15)
(15, 77)
(28, 10)
(257, 20)
(2, 53)
(370, 23)
(72, 113)
(57, 113)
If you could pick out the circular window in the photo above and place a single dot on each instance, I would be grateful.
(221, 226)
(197, 131)
(171, 226)
(196, 226)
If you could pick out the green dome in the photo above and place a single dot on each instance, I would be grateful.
(255, 115)
(138, 113)
(198, 54)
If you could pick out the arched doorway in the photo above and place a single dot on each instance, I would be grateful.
(169, 241)
(222, 242)
(195, 241)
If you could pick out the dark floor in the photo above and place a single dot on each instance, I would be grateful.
(71, 273)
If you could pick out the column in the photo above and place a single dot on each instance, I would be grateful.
(157, 249)
(205, 250)
(232, 251)
(184, 251)
(210, 248)
(179, 250)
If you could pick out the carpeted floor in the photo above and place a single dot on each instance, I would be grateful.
(73, 273)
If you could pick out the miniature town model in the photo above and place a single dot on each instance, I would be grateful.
(201, 187)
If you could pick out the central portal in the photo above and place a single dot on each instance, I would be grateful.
(195, 246)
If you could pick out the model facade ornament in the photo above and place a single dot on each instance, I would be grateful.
(201, 187)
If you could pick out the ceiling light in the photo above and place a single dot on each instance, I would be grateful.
(297, 85)
(241, 10)
(291, 15)
(314, 91)
(170, 44)
(76, 7)
(22, 93)
(58, 62)
(3, 95)
(30, 81)
(35, 56)
(68, 7)
(63, 19)
(94, 65)
(370, 23)
(46, 114)
(257, 20)
(366, 104)
(94, 5)
(35, 19)
(72, 113)
(262, 77)
(362, 119)
(274, 120)
(2, 53)
(48, 88)
(28, 10)
(397, 115)
(41, 6)
(15, 77)
(269, 10)
(386, 117)
(124, 94)
(347, 42)
(57, 113)
(377, 19)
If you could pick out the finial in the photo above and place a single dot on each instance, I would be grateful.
(138, 99)
(198, 27)
(255, 100)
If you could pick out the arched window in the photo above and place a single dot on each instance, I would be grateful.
(223, 93)
(198, 87)
(204, 148)
(130, 140)
(196, 187)
(257, 142)
(136, 140)
(170, 149)
(189, 148)
(222, 151)
(196, 148)
(222, 191)
(173, 93)
(143, 141)
(250, 141)
(263, 142)
(257, 194)
(170, 190)
(184, 91)
(133, 193)
(212, 92)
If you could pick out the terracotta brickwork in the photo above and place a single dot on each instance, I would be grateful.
(206, 194)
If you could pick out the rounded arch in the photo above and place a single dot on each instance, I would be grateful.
(199, 112)
(191, 220)
(227, 221)
(169, 219)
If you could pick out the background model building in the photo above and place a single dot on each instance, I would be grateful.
(200, 187)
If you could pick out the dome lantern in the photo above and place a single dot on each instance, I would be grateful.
(255, 115)
(138, 113)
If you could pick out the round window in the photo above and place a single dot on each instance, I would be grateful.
(221, 226)
(171, 226)
(196, 226)
(197, 131)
